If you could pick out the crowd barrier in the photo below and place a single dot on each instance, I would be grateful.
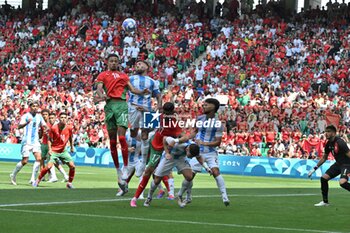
(229, 164)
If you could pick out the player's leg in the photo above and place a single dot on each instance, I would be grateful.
(332, 172)
(17, 168)
(71, 166)
(344, 177)
(144, 144)
(43, 172)
(163, 168)
(171, 194)
(111, 123)
(25, 152)
(154, 184)
(61, 170)
(183, 167)
(36, 165)
(212, 161)
(153, 162)
(121, 115)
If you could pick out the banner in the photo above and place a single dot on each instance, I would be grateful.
(239, 165)
(275, 167)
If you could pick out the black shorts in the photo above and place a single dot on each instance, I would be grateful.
(336, 169)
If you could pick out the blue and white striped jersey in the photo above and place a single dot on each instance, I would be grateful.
(134, 142)
(141, 83)
(31, 131)
(208, 130)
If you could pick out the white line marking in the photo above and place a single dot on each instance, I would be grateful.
(169, 221)
(28, 172)
(128, 199)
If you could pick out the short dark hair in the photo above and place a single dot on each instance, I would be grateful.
(331, 128)
(213, 101)
(52, 114)
(112, 55)
(194, 150)
(45, 110)
(34, 102)
(63, 113)
(168, 108)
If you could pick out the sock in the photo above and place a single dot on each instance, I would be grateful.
(140, 179)
(53, 173)
(324, 189)
(18, 167)
(36, 167)
(346, 186)
(189, 190)
(125, 153)
(63, 172)
(43, 173)
(142, 186)
(184, 186)
(114, 152)
(171, 186)
(166, 183)
(71, 174)
(221, 185)
(152, 189)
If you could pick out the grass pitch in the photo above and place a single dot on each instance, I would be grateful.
(258, 204)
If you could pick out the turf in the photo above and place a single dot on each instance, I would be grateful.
(258, 204)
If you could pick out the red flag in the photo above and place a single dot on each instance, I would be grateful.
(332, 119)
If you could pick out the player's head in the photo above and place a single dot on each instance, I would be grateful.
(330, 131)
(192, 151)
(52, 118)
(112, 62)
(141, 66)
(34, 106)
(45, 113)
(168, 108)
(63, 118)
(211, 105)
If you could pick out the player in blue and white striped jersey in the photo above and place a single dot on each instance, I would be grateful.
(140, 104)
(175, 153)
(31, 122)
(209, 133)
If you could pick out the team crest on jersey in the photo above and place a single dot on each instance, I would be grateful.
(115, 75)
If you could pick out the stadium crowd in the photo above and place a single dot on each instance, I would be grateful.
(284, 81)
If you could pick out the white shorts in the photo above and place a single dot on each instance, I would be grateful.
(210, 158)
(165, 166)
(26, 149)
(135, 117)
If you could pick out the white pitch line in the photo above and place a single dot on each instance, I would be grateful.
(169, 221)
(128, 199)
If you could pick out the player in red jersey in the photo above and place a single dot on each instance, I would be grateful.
(112, 87)
(157, 148)
(59, 136)
(50, 119)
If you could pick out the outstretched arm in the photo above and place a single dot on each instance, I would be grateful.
(137, 91)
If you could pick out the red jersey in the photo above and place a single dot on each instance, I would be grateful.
(60, 137)
(172, 131)
(115, 83)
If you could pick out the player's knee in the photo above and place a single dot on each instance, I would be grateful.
(324, 179)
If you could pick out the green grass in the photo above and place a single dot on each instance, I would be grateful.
(258, 204)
